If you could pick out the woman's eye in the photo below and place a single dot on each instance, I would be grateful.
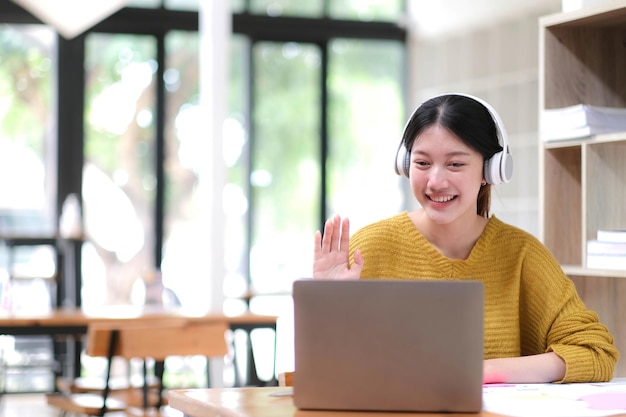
(421, 163)
(456, 164)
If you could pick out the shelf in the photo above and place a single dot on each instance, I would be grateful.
(583, 180)
(592, 140)
(579, 271)
(582, 57)
(562, 204)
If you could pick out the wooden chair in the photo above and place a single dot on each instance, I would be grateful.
(285, 379)
(145, 340)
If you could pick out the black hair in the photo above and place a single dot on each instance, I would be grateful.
(466, 118)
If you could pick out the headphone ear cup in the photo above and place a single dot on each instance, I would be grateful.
(407, 163)
(499, 168)
(491, 169)
(506, 167)
(403, 161)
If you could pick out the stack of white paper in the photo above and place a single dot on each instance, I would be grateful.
(608, 251)
(581, 120)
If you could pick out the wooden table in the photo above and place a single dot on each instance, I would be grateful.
(74, 322)
(263, 402)
(504, 400)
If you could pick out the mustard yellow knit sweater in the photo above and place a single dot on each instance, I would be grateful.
(531, 306)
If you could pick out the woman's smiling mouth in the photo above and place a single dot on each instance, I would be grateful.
(441, 199)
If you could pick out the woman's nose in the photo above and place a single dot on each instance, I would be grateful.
(438, 177)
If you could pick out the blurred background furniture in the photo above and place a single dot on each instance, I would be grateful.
(43, 273)
(148, 340)
(73, 324)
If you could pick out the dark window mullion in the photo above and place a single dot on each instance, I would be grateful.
(323, 132)
(70, 154)
(299, 29)
(160, 156)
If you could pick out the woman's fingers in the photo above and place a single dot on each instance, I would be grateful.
(345, 235)
(336, 236)
(331, 252)
(327, 236)
(317, 245)
(336, 233)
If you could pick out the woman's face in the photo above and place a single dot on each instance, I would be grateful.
(445, 175)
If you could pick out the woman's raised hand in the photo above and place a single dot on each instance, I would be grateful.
(331, 257)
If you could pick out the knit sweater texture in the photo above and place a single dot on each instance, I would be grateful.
(531, 306)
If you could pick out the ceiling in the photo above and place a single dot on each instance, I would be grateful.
(71, 17)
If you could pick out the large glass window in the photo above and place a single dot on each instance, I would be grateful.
(183, 266)
(366, 114)
(27, 146)
(119, 172)
(285, 175)
(236, 148)
(275, 190)
(27, 156)
(313, 123)
(27, 198)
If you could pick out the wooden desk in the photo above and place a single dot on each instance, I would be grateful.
(73, 322)
(527, 400)
(259, 402)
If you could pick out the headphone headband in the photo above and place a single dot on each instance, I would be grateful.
(498, 169)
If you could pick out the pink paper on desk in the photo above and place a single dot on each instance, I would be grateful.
(606, 400)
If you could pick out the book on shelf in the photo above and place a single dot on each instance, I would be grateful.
(575, 133)
(611, 235)
(601, 247)
(581, 120)
(613, 262)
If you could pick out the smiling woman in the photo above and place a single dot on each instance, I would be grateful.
(537, 329)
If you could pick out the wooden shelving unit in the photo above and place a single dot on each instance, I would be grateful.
(583, 60)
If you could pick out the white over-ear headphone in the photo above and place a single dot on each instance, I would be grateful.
(497, 170)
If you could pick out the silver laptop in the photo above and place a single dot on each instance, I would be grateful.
(388, 345)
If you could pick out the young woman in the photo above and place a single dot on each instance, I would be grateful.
(537, 329)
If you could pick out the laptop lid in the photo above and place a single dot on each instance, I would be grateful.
(388, 345)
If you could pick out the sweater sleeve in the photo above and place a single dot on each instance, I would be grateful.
(585, 345)
(554, 318)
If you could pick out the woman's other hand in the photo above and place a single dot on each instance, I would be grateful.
(532, 369)
(331, 257)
